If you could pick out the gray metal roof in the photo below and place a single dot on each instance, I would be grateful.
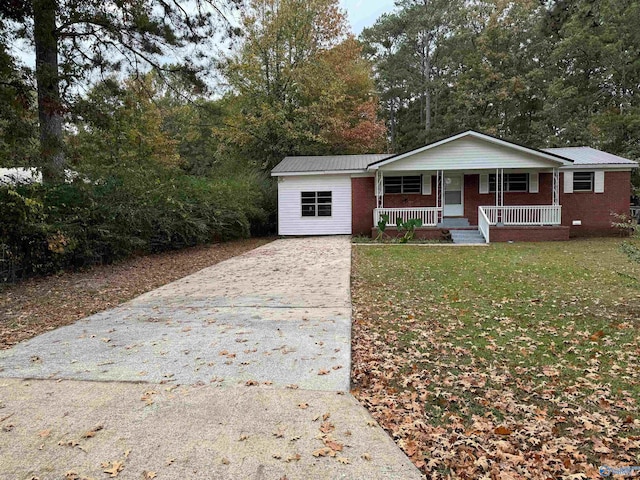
(590, 156)
(328, 163)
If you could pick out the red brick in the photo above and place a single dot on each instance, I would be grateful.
(528, 234)
(363, 201)
(594, 209)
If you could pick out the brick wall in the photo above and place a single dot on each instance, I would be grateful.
(594, 209)
(528, 234)
(474, 199)
(363, 201)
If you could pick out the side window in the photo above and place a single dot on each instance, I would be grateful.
(408, 184)
(513, 182)
(583, 181)
(316, 204)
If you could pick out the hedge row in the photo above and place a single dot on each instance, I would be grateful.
(44, 229)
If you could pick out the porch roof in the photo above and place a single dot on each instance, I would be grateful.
(471, 151)
(466, 151)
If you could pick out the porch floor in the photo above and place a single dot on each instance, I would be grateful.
(454, 222)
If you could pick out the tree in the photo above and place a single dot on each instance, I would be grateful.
(17, 122)
(120, 127)
(594, 96)
(299, 84)
(407, 49)
(73, 38)
(501, 85)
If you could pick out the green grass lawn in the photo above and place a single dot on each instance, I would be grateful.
(516, 359)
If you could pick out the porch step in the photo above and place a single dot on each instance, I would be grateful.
(454, 222)
(466, 236)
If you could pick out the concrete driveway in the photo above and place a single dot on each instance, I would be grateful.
(271, 326)
(279, 314)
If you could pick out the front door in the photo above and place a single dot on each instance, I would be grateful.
(453, 195)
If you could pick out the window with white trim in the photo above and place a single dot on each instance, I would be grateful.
(513, 182)
(316, 204)
(405, 184)
(583, 181)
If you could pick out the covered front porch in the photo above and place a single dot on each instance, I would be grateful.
(499, 201)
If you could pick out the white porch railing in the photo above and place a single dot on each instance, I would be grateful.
(483, 224)
(526, 215)
(428, 215)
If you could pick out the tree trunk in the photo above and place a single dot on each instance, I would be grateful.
(47, 78)
(427, 88)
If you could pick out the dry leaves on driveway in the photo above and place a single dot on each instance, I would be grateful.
(38, 305)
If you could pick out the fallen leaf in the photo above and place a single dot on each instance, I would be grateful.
(92, 433)
(293, 458)
(323, 372)
(243, 437)
(366, 456)
(149, 475)
(224, 461)
(44, 433)
(333, 445)
(303, 406)
(113, 468)
(327, 427)
(343, 460)
(503, 431)
(323, 452)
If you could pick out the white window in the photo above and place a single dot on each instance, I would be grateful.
(583, 181)
(316, 204)
(513, 182)
(407, 184)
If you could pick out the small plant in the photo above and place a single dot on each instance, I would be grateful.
(630, 227)
(409, 227)
(382, 226)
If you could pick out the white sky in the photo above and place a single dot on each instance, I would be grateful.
(363, 13)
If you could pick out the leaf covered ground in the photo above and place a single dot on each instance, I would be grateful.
(38, 305)
(513, 361)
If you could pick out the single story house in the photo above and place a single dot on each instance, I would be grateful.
(491, 188)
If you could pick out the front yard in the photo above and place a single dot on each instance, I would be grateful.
(513, 361)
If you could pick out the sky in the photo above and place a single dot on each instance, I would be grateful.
(363, 13)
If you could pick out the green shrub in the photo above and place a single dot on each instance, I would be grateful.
(48, 228)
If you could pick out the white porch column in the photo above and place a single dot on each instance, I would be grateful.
(499, 193)
(379, 189)
(439, 196)
(556, 187)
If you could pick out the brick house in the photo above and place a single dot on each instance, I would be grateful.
(471, 185)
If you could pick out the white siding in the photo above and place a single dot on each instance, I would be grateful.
(468, 153)
(290, 219)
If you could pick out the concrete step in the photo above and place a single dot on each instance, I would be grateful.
(467, 236)
(454, 222)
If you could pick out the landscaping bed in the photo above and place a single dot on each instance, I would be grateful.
(41, 304)
(516, 361)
